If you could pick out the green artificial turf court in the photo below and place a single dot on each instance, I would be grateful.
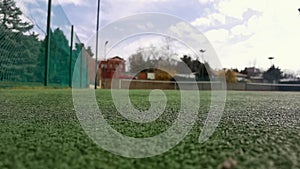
(39, 129)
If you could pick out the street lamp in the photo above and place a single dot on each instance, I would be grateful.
(271, 58)
(105, 45)
(202, 67)
(202, 51)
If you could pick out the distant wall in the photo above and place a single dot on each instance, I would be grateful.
(260, 87)
(141, 84)
(170, 85)
(236, 86)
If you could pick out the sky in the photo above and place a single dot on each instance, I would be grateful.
(242, 33)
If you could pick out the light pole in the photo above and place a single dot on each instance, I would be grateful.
(202, 51)
(105, 45)
(97, 39)
(271, 58)
(71, 56)
(202, 67)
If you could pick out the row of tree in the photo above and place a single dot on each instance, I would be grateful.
(153, 59)
(145, 59)
(16, 48)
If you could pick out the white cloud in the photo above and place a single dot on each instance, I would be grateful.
(211, 20)
(199, 22)
(217, 35)
(217, 17)
(145, 26)
(116, 9)
(271, 29)
(206, 1)
(233, 8)
(185, 32)
(240, 30)
(75, 2)
(237, 8)
(27, 1)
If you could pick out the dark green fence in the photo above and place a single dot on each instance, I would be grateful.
(23, 43)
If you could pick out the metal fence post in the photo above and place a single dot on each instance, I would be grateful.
(71, 56)
(48, 39)
(97, 36)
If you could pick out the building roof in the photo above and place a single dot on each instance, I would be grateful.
(116, 58)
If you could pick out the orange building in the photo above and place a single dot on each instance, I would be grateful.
(110, 68)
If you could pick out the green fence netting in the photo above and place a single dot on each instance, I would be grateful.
(23, 47)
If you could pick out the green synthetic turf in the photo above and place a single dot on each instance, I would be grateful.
(39, 129)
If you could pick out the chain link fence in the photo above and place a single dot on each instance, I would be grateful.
(23, 45)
